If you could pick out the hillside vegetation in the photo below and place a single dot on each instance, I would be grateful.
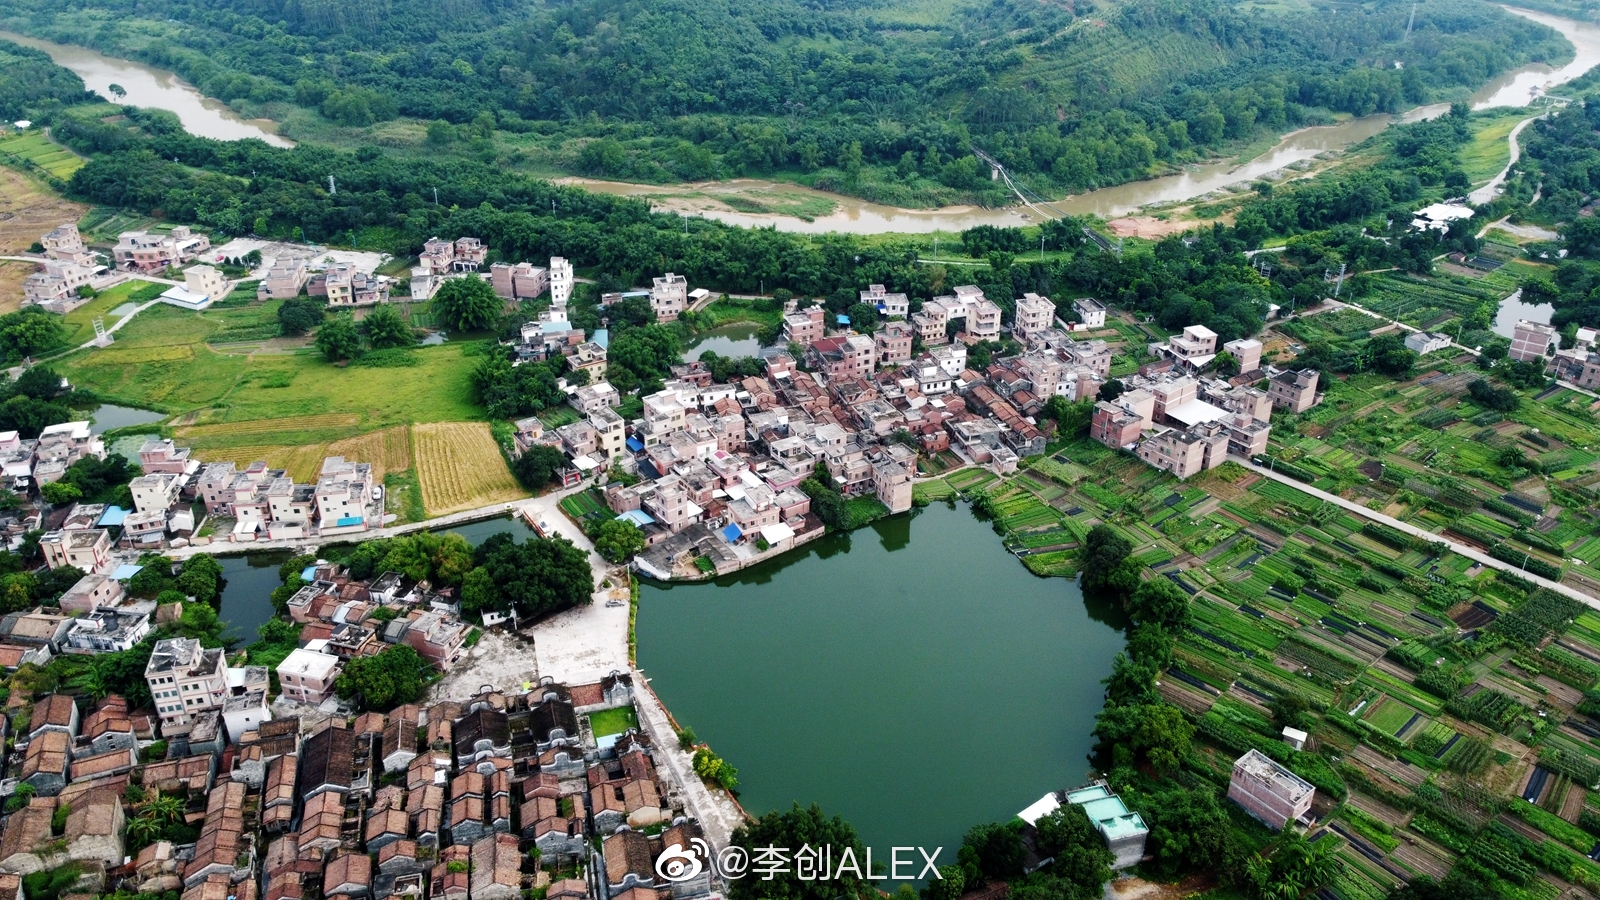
(879, 99)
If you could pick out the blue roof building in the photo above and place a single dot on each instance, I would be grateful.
(1124, 831)
(638, 517)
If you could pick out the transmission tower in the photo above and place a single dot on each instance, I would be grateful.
(102, 338)
(1410, 22)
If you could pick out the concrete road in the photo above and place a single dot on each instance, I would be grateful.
(1472, 553)
(717, 813)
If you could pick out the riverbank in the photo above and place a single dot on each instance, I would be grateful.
(146, 86)
(794, 207)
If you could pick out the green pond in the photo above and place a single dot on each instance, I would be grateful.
(911, 677)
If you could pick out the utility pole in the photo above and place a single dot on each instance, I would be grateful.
(1041, 246)
(1119, 249)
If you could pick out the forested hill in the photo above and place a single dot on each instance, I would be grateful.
(875, 97)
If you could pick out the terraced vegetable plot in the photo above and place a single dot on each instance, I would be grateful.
(35, 149)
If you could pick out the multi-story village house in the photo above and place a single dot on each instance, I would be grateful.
(522, 281)
(894, 306)
(669, 297)
(804, 326)
(186, 680)
(1034, 315)
(144, 251)
(893, 342)
(561, 282)
(64, 243)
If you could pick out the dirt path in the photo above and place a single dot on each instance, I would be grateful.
(1487, 192)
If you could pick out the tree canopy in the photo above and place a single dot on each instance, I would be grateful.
(395, 676)
(1105, 562)
(531, 578)
(468, 304)
(793, 829)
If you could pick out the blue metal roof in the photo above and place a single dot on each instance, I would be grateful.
(635, 444)
(125, 571)
(732, 533)
(309, 573)
(349, 520)
(638, 517)
(842, 319)
(113, 516)
(602, 337)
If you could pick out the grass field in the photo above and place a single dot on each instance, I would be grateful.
(36, 149)
(162, 360)
(460, 467)
(613, 721)
(1488, 152)
(78, 325)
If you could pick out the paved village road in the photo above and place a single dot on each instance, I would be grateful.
(1469, 552)
(718, 815)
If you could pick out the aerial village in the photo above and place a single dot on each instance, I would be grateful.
(544, 786)
(517, 788)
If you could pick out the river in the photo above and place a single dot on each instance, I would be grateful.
(1514, 88)
(911, 677)
(206, 117)
(157, 89)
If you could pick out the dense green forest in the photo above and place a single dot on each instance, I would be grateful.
(29, 80)
(247, 186)
(867, 97)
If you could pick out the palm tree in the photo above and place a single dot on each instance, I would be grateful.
(89, 683)
(163, 808)
(143, 829)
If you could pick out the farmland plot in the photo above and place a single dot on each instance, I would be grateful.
(387, 451)
(461, 468)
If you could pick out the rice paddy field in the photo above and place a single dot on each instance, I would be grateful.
(1449, 704)
(460, 467)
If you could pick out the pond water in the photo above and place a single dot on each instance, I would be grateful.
(478, 532)
(247, 595)
(911, 677)
(155, 89)
(1513, 309)
(728, 340)
(107, 416)
(252, 577)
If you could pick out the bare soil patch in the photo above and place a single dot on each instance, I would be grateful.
(28, 209)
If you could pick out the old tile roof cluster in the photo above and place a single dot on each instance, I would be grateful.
(447, 800)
